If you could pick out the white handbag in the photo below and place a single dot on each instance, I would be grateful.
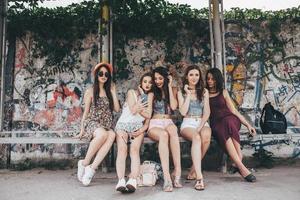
(148, 174)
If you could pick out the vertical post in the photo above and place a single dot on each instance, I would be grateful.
(211, 33)
(3, 13)
(105, 32)
(217, 35)
(3, 17)
(223, 43)
(111, 39)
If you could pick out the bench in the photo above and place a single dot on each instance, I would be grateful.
(50, 137)
(63, 137)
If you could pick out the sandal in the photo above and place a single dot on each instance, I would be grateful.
(168, 187)
(199, 184)
(176, 181)
(191, 176)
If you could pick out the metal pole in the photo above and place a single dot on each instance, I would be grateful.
(111, 39)
(3, 12)
(105, 32)
(217, 34)
(223, 44)
(212, 50)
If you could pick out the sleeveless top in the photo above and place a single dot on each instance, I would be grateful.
(195, 108)
(218, 107)
(160, 108)
(127, 116)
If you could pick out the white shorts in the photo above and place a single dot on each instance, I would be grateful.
(191, 123)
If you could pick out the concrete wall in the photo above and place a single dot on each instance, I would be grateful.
(261, 70)
(258, 69)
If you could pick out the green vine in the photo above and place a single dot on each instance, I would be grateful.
(57, 32)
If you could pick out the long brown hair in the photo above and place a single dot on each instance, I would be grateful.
(107, 85)
(158, 93)
(199, 86)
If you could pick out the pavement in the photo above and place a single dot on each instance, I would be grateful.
(278, 183)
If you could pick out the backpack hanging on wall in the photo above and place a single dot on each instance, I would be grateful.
(272, 121)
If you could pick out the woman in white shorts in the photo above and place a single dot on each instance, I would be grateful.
(130, 129)
(193, 102)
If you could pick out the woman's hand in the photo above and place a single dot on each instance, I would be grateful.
(137, 133)
(170, 80)
(79, 136)
(140, 106)
(113, 88)
(186, 89)
(252, 130)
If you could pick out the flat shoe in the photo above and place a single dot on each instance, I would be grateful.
(250, 178)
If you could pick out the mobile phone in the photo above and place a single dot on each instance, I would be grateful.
(144, 98)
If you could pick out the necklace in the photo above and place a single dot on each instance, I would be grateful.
(213, 92)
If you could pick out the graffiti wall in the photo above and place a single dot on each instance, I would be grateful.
(261, 66)
(50, 97)
(264, 66)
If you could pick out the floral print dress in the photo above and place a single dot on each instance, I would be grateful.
(99, 116)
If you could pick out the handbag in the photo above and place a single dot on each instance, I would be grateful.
(148, 174)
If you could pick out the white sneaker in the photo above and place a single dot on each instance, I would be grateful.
(88, 175)
(80, 170)
(121, 186)
(131, 185)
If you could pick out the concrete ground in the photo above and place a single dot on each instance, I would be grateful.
(280, 182)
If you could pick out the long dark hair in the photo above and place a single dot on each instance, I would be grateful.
(217, 75)
(141, 81)
(158, 95)
(107, 86)
(199, 86)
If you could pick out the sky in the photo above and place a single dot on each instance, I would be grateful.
(260, 4)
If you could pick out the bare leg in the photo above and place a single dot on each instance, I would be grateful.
(99, 138)
(205, 134)
(191, 135)
(175, 148)
(237, 147)
(135, 155)
(205, 142)
(162, 137)
(104, 149)
(235, 158)
(122, 137)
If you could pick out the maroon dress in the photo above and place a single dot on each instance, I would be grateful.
(223, 122)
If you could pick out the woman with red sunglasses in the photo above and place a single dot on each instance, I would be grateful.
(99, 103)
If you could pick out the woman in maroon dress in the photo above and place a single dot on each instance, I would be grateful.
(225, 121)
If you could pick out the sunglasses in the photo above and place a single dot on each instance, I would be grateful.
(100, 74)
